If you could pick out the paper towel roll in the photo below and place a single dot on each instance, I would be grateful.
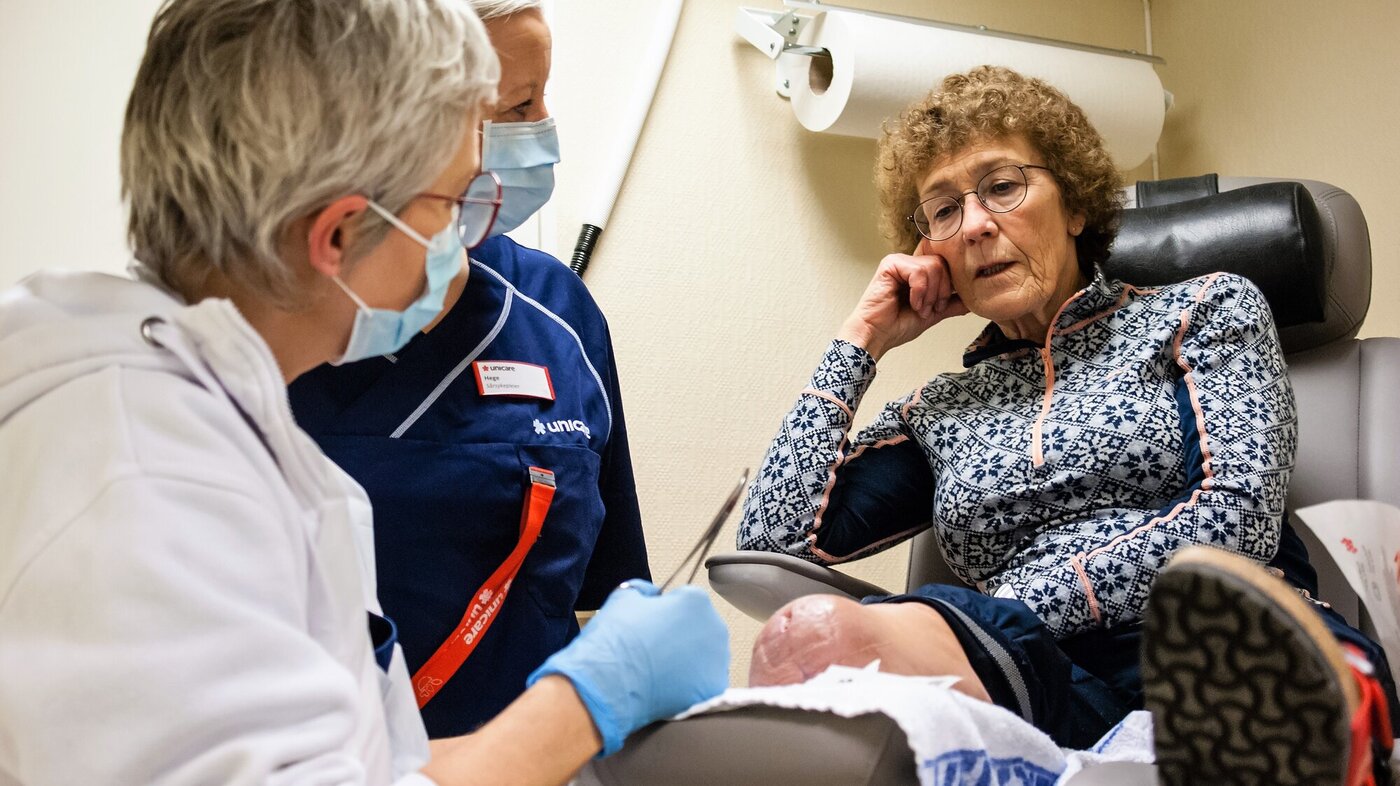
(879, 65)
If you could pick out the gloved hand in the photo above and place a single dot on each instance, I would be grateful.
(644, 656)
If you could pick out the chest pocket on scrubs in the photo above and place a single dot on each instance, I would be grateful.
(560, 558)
(447, 516)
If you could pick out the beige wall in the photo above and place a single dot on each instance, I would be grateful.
(739, 243)
(66, 68)
(1294, 89)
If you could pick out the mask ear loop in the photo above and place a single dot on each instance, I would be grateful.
(362, 305)
(484, 135)
(399, 224)
(396, 223)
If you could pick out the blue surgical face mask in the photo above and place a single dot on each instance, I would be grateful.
(381, 331)
(523, 156)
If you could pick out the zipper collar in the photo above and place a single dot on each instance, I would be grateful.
(1100, 294)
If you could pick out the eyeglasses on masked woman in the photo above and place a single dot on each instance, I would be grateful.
(1001, 190)
(477, 208)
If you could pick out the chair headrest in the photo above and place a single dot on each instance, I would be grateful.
(1303, 243)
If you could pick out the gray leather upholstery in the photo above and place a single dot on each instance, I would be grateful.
(1349, 271)
(760, 583)
(1348, 422)
(1271, 233)
(926, 563)
(1349, 429)
(1348, 432)
(763, 746)
(1348, 267)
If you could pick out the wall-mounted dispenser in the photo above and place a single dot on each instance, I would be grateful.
(847, 70)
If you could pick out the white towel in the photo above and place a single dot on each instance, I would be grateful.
(954, 738)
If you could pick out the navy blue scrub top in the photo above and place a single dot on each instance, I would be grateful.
(446, 471)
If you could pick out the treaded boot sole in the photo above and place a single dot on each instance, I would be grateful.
(1240, 690)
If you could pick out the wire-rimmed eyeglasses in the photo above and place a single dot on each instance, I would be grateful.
(477, 208)
(1001, 190)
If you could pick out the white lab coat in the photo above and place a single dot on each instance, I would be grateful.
(183, 575)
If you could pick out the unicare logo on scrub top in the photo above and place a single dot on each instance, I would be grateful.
(558, 426)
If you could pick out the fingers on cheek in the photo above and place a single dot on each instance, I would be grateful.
(891, 279)
(927, 284)
(892, 266)
(937, 295)
(894, 276)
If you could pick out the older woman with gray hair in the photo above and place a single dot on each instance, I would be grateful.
(518, 371)
(186, 583)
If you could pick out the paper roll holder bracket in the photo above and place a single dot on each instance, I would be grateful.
(776, 34)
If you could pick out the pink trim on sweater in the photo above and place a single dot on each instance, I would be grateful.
(831, 476)
(1037, 429)
(1038, 444)
(1037, 438)
(903, 413)
(863, 550)
(917, 398)
(830, 483)
(1189, 378)
(841, 459)
(822, 394)
(882, 443)
(1180, 506)
(1077, 562)
(1128, 289)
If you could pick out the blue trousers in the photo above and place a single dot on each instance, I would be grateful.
(1078, 688)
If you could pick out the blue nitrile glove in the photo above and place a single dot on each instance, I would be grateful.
(644, 656)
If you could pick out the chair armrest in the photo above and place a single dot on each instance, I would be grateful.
(761, 745)
(759, 583)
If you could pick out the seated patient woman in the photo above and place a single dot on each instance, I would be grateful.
(516, 373)
(1097, 430)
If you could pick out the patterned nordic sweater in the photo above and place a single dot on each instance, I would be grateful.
(1063, 474)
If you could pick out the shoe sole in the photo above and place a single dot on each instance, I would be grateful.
(1243, 680)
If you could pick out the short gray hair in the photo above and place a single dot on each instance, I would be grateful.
(493, 9)
(247, 115)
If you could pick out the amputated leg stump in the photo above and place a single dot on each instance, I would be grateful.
(811, 633)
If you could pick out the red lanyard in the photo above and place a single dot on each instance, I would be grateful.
(487, 601)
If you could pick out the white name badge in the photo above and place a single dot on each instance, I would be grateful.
(513, 378)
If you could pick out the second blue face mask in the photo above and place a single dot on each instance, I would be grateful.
(523, 156)
(382, 331)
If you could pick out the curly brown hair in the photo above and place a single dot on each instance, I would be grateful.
(987, 103)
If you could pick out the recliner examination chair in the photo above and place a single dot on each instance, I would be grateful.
(1305, 244)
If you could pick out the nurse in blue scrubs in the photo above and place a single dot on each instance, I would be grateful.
(449, 436)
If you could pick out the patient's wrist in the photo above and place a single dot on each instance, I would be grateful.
(858, 333)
